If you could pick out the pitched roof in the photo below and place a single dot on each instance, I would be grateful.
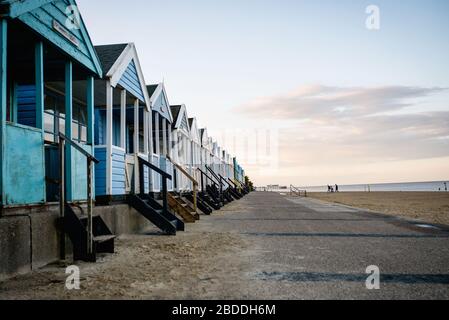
(151, 89)
(108, 54)
(175, 112)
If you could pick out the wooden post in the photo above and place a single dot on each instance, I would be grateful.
(141, 177)
(109, 117)
(164, 137)
(156, 123)
(150, 135)
(151, 150)
(90, 236)
(62, 199)
(169, 138)
(39, 75)
(195, 205)
(90, 111)
(165, 194)
(123, 119)
(3, 94)
(146, 133)
(136, 146)
(68, 127)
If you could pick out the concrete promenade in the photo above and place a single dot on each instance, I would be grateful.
(265, 246)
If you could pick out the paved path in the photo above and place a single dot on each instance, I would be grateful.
(265, 246)
(307, 249)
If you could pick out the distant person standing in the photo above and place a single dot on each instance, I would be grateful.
(328, 188)
(336, 188)
(445, 186)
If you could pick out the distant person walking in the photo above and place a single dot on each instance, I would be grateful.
(336, 188)
(445, 186)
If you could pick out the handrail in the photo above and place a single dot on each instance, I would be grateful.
(195, 183)
(165, 177)
(208, 177)
(63, 139)
(219, 181)
(214, 174)
(155, 168)
(224, 179)
(235, 185)
(79, 148)
(239, 183)
(184, 171)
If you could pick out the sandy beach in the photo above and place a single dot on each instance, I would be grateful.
(432, 207)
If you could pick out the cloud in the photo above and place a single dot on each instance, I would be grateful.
(330, 103)
(336, 126)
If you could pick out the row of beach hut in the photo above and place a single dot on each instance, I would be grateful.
(89, 149)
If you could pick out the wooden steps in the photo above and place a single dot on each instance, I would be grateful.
(75, 225)
(151, 210)
(183, 208)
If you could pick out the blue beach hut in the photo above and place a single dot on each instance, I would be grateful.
(122, 122)
(48, 65)
(161, 143)
(47, 70)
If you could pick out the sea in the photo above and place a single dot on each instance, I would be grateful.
(432, 186)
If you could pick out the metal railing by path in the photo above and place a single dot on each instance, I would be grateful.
(295, 191)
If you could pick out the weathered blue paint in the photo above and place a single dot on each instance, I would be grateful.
(24, 181)
(3, 99)
(23, 156)
(79, 174)
(39, 75)
(68, 127)
(43, 16)
(20, 7)
(26, 105)
(130, 81)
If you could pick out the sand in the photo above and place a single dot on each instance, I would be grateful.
(431, 207)
(144, 267)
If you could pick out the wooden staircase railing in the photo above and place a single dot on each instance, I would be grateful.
(165, 176)
(63, 140)
(220, 182)
(192, 179)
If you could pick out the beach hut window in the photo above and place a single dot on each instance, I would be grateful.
(79, 124)
(54, 118)
(54, 115)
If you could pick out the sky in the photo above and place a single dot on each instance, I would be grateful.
(302, 92)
